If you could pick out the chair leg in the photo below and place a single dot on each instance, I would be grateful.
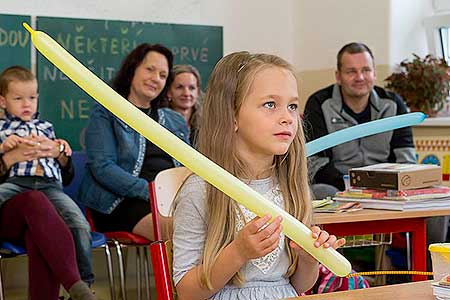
(121, 269)
(408, 250)
(147, 274)
(138, 273)
(2, 295)
(110, 272)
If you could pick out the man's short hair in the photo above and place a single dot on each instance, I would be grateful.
(352, 48)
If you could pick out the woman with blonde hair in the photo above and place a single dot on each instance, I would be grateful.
(184, 96)
(251, 127)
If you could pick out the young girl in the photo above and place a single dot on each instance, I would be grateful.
(251, 127)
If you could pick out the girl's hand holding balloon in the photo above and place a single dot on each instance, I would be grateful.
(322, 238)
(258, 238)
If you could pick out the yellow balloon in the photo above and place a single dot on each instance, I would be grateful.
(188, 156)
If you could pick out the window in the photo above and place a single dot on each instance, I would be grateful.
(438, 35)
(445, 40)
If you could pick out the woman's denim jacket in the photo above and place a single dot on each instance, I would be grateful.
(115, 154)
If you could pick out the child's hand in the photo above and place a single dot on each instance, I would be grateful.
(67, 149)
(322, 238)
(11, 142)
(255, 240)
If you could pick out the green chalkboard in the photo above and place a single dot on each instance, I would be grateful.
(101, 46)
(14, 42)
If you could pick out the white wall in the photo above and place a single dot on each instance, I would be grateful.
(186, 11)
(252, 25)
(393, 29)
(323, 27)
(258, 26)
(406, 29)
(441, 5)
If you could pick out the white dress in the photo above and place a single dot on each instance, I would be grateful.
(264, 276)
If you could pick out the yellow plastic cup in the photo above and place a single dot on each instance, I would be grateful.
(440, 257)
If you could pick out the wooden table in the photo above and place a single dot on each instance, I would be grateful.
(406, 291)
(368, 221)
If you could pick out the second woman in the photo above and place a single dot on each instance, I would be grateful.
(184, 94)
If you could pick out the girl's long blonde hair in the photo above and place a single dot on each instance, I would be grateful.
(228, 86)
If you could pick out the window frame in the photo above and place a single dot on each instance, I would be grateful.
(433, 28)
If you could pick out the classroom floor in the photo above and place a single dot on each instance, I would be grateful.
(15, 278)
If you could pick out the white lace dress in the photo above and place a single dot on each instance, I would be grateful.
(264, 277)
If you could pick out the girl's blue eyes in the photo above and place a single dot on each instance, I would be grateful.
(269, 104)
(272, 105)
(293, 106)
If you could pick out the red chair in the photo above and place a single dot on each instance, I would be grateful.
(121, 239)
(163, 191)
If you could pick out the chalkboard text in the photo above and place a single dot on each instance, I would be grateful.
(187, 54)
(12, 38)
(51, 73)
(74, 109)
(80, 44)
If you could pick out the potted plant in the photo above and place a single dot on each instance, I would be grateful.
(424, 83)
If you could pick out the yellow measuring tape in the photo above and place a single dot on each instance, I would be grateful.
(390, 273)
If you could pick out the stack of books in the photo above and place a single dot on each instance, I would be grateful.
(330, 206)
(415, 199)
(396, 187)
(441, 289)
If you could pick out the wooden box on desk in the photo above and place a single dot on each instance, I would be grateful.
(396, 176)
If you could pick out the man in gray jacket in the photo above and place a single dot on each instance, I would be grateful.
(355, 99)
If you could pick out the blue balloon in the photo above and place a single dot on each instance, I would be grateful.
(362, 130)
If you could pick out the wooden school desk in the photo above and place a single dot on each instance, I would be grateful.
(368, 221)
(406, 291)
